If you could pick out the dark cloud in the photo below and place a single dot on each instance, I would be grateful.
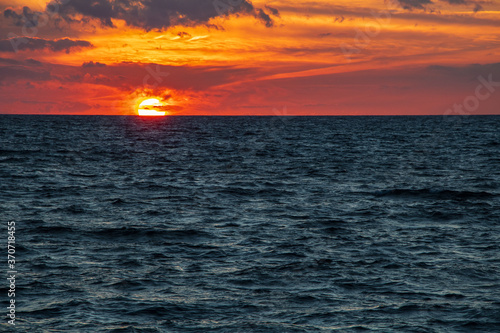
(28, 62)
(420, 4)
(410, 4)
(273, 11)
(126, 76)
(339, 19)
(33, 62)
(477, 4)
(33, 44)
(91, 64)
(100, 9)
(471, 71)
(132, 76)
(184, 34)
(160, 14)
(265, 18)
(14, 73)
(9, 61)
(26, 18)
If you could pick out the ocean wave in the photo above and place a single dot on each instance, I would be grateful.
(436, 194)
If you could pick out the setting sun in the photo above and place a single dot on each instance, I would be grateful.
(149, 107)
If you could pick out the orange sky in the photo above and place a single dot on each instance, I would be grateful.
(259, 57)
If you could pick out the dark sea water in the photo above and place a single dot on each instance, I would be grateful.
(252, 224)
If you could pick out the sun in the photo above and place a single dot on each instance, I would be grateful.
(148, 108)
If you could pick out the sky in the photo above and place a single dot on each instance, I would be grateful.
(242, 57)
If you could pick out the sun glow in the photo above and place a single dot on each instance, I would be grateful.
(149, 107)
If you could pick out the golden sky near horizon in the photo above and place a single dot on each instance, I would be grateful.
(305, 57)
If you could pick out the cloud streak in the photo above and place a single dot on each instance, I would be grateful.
(410, 4)
(421, 4)
(34, 44)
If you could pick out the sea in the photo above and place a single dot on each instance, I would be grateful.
(250, 224)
